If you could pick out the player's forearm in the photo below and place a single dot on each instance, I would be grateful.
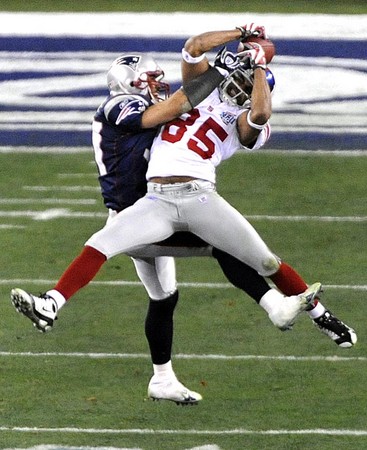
(197, 45)
(261, 107)
(182, 100)
(165, 111)
(252, 122)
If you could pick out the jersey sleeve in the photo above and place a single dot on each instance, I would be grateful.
(125, 111)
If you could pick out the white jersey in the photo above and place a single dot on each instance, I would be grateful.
(196, 143)
(192, 145)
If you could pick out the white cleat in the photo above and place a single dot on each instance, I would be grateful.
(172, 390)
(42, 311)
(289, 309)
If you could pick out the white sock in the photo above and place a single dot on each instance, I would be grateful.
(270, 300)
(59, 298)
(317, 312)
(164, 371)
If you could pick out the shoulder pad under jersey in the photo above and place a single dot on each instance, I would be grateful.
(127, 103)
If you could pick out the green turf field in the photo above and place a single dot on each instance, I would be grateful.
(60, 395)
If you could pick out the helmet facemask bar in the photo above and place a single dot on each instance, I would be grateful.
(151, 80)
(236, 89)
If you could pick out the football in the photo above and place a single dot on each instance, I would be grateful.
(267, 45)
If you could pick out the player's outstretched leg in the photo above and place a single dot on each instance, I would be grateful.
(171, 389)
(42, 310)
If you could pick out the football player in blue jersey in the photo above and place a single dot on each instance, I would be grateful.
(124, 127)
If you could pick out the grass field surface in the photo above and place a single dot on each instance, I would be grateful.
(84, 384)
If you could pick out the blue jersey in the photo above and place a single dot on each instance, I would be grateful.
(122, 149)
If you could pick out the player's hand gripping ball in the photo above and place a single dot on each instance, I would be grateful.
(266, 44)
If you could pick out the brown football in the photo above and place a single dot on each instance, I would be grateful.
(267, 45)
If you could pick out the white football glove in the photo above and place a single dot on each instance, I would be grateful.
(256, 53)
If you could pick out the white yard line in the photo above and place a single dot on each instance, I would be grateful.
(4, 226)
(14, 281)
(45, 150)
(145, 431)
(74, 188)
(201, 357)
(76, 150)
(67, 214)
(54, 213)
(47, 201)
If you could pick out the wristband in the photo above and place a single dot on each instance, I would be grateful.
(259, 66)
(191, 59)
(243, 32)
(254, 125)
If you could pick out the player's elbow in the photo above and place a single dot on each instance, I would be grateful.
(261, 116)
(194, 46)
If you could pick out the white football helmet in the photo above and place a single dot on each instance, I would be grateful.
(236, 89)
(137, 73)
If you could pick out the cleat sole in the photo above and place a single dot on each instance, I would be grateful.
(24, 304)
(178, 403)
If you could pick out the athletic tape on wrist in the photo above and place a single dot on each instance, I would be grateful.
(243, 32)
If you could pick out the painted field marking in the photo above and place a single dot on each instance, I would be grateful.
(13, 281)
(44, 150)
(202, 357)
(62, 188)
(53, 213)
(77, 175)
(67, 214)
(66, 447)
(82, 149)
(47, 201)
(4, 226)
(145, 431)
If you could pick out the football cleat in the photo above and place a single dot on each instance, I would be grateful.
(289, 309)
(337, 330)
(171, 389)
(42, 310)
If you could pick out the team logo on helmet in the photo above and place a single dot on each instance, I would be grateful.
(130, 60)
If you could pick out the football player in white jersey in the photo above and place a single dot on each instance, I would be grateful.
(181, 190)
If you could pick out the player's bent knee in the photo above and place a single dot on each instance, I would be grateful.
(270, 265)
